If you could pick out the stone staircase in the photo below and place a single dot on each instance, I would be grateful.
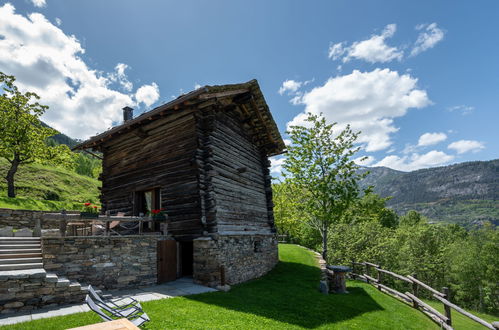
(24, 283)
(18, 253)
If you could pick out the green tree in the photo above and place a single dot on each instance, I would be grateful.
(23, 138)
(412, 218)
(371, 207)
(319, 165)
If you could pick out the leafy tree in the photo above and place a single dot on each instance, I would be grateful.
(319, 165)
(23, 138)
(412, 218)
(371, 207)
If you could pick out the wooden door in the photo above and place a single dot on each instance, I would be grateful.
(167, 261)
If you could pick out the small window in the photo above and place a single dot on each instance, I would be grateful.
(257, 246)
(147, 200)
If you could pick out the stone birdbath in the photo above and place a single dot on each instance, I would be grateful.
(336, 278)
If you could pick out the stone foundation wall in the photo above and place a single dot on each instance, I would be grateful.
(111, 262)
(243, 257)
(31, 289)
(26, 219)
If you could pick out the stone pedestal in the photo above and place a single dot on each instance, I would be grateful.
(336, 276)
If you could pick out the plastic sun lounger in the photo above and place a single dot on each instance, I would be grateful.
(122, 305)
(136, 319)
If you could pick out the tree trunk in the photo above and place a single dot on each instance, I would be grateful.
(324, 241)
(11, 192)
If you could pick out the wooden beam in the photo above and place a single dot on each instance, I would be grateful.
(426, 286)
(428, 307)
(91, 153)
(223, 94)
(462, 311)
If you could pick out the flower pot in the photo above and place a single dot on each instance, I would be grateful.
(89, 215)
(158, 217)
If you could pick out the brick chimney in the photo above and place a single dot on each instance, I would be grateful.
(127, 114)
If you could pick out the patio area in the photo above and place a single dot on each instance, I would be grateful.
(181, 287)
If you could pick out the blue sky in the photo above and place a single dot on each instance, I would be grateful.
(420, 79)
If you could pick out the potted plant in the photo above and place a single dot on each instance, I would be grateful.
(157, 215)
(89, 211)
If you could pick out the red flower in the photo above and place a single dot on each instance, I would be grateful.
(155, 211)
(95, 206)
(87, 204)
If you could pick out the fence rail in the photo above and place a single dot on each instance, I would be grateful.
(444, 320)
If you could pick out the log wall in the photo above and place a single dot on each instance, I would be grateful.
(160, 154)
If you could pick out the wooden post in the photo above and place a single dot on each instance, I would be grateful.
(367, 272)
(63, 223)
(414, 291)
(380, 278)
(108, 222)
(445, 291)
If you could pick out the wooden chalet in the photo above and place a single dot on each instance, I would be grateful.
(202, 157)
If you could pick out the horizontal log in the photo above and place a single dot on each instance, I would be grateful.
(428, 307)
(371, 264)
(437, 320)
(394, 292)
(400, 277)
(372, 279)
(426, 286)
(465, 313)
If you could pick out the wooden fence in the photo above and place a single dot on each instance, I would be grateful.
(362, 270)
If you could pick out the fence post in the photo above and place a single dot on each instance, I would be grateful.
(445, 291)
(380, 277)
(353, 269)
(108, 222)
(414, 291)
(63, 224)
(367, 272)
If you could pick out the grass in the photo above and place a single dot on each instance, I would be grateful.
(41, 187)
(286, 298)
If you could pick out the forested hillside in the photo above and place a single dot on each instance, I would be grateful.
(463, 193)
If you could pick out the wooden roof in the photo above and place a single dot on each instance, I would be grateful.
(247, 96)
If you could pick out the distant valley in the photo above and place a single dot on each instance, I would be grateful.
(465, 193)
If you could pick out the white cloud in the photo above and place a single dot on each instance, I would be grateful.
(47, 61)
(58, 21)
(463, 146)
(368, 101)
(371, 50)
(147, 94)
(276, 164)
(290, 86)
(197, 86)
(428, 139)
(464, 109)
(415, 161)
(120, 77)
(364, 161)
(39, 3)
(429, 36)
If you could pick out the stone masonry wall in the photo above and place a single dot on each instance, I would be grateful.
(244, 257)
(26, 219)
(111, 262)
(27, 290)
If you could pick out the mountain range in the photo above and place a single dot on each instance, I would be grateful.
(465, 193)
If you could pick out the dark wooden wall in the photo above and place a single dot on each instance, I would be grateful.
(158, 154)
(238, 175)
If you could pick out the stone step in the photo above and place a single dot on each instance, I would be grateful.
(36, 265)
(19, 251)
(18, 242)
(20, 255)
(19, 246)
(13, 240)
(52, 278)
(20, 260)
(62, 281)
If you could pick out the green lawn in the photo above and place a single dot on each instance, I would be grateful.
(286, 298)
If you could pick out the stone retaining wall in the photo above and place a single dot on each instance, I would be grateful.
(31, 289)
(107, 262)
(26, 219)
(243, 257)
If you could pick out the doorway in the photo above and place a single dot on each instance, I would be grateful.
(186, 258)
